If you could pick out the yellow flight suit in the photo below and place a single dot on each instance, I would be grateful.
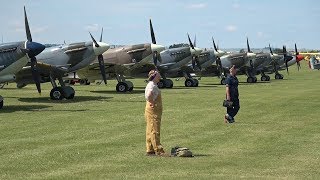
(153, 120)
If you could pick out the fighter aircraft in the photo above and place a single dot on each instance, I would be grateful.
(124, 61)
(14, 56)
(204, 66)
(55, 62)
(243, 61)
(138, 60)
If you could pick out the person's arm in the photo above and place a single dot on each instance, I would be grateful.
(228, 92)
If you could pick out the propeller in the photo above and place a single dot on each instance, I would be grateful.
(33, 49)
(195, 58)
(285, 57)
(100, 58)
(155, 56)
(297, 53)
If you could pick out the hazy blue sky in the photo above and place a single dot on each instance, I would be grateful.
(127, 21)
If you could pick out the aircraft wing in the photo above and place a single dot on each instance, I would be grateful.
(44, 70)
(166, 66)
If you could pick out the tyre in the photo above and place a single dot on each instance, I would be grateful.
(264, 78)
(250, 80)
(189, 83)
(161, 84)
(168, 83)
(196, 83)
(1, 104)
(56, 93)
(68, 92)
(122, 87)
(223, 81)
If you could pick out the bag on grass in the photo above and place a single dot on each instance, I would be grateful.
(181, 152)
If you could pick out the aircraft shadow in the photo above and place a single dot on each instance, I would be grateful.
(115, 92)
(201, 155)
(75, 100)
(16, 108)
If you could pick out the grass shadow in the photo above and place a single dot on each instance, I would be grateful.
(75, 100)
(16, 108)
(115, 92)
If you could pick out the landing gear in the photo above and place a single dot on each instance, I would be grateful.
(124, 86)
(278, 76)
(251, 79)
(58, 93)
(190, 82)
(165, 83)
(63, 91)
(1, 102)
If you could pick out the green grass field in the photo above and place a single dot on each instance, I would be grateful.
(101, 134)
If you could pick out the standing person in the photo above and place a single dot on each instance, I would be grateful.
(232, 94)
(153, 113)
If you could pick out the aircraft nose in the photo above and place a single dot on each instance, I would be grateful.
(299, 58)
(103, 47)
(157, 48)
(34, 48)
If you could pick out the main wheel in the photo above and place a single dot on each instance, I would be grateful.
(223, 81)
(68, 92)
(250, 80)
(195, 83)
(264, 78)
(268, 78)
(189, 83)
(161, 84)
(277, 76)
(168, 83)
(122, 87)
(1, 104)
(130, 85)
(255, 79)
(56, 93)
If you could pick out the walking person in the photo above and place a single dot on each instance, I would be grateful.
(232, 94)
(153, 113)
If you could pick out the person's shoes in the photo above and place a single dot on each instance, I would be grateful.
(228, 118)
(150, 154)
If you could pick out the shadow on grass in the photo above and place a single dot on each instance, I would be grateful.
(16, 108)
(75, 100)
(115, 92)
(201, 155)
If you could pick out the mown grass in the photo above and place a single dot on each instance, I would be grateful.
(101, 134)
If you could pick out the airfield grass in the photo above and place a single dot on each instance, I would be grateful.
(100, 134)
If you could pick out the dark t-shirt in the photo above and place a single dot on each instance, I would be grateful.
(232, 82)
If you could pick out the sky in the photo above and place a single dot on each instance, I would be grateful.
(126, 22)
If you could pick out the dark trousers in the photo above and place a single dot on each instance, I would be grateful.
(232, 111)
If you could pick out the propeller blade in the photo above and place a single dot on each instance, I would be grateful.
(251, 64)
(214, 45)
(298, 65)
(195, 41)
(101, 35)
(248, 47)
(191, 45)
(270, 49)
(35, 73)
(26, 23)
(198, 64)
(284, 49)
(295, 47)
(94, 41)
(153, 38)
(102, 68)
